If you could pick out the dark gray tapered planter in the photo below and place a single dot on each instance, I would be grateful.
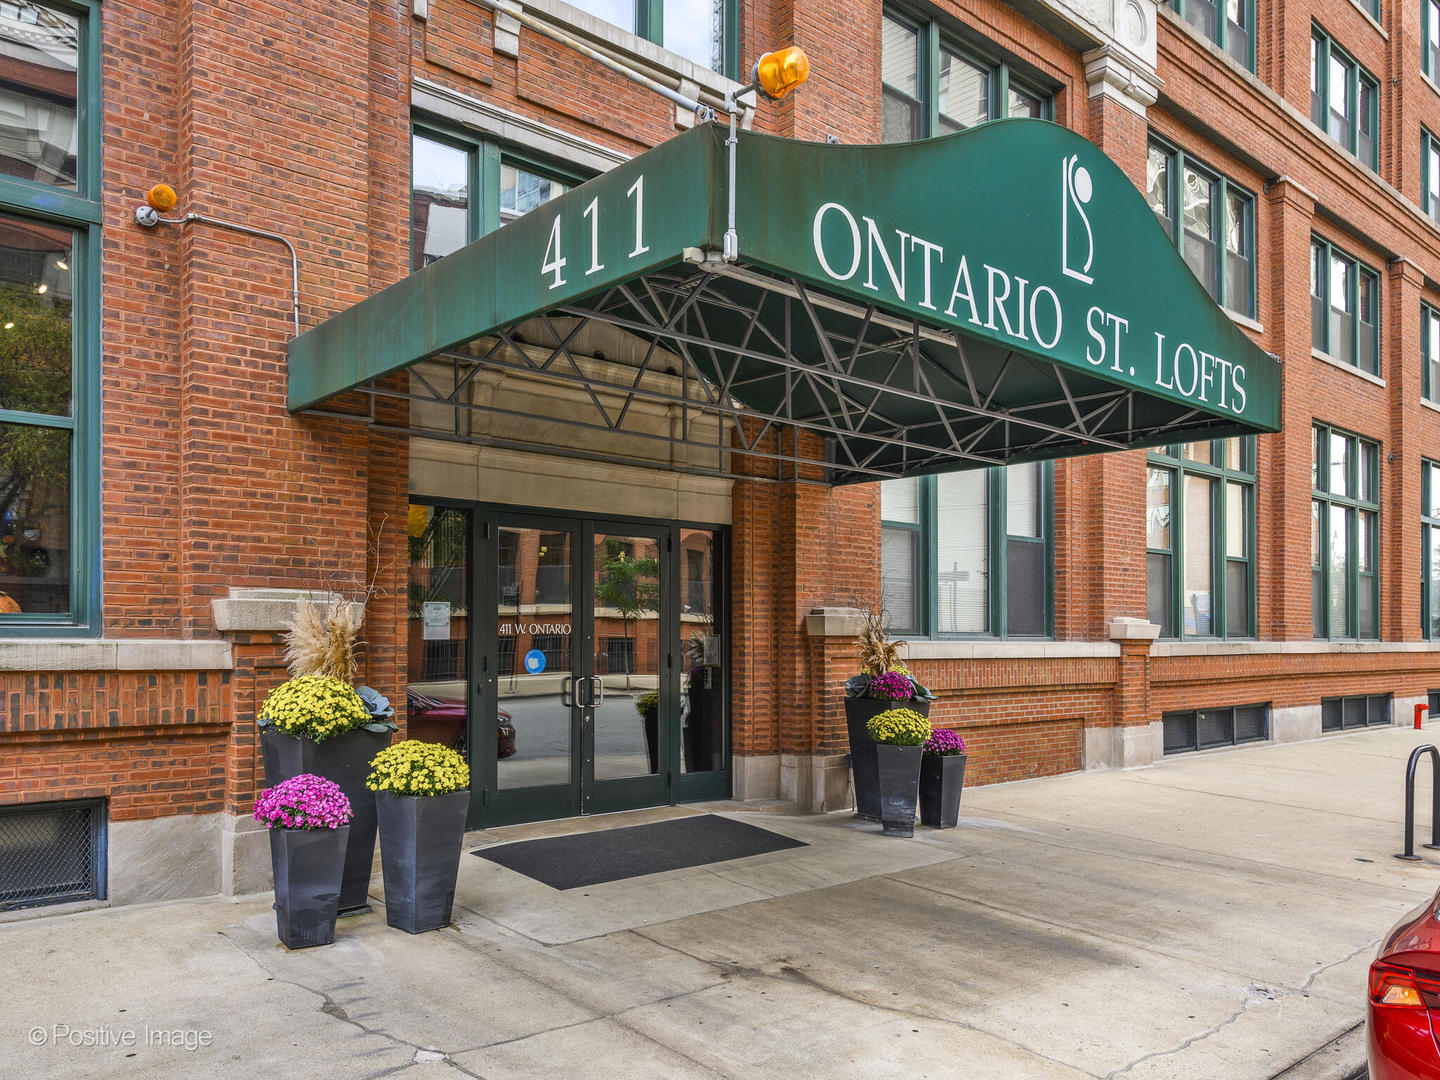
(345, 760)
(941, 777)
(899, 784)
(863, 767)
(307, 864)
(420, 837)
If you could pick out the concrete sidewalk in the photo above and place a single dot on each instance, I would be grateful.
(1212, 916)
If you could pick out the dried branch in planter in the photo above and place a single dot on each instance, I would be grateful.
(322, 642)
(877, 654)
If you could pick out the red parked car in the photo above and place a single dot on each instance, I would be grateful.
(1404, 1014)
(443, 720)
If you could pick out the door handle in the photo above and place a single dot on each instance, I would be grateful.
(597, 691)
(567, 696)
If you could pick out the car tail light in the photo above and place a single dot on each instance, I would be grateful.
(1393, 985)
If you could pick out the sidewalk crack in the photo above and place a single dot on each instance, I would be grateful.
(330, 1008)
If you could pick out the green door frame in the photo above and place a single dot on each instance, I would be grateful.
(583, 794)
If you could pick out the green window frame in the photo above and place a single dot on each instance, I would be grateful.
(1344, 535)
(647, 20)
(1430, 175)
(1209, 219)
(1344, 99)
(1230, 24)
(1430, 549)
(1430, 38)
(1018, 537)
(925, 71)
(1200, 539)
(53, 207)
(1430, 354)
(485, 166)
(1344, 307)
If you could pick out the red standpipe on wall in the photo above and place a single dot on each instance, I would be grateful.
(1418, 710)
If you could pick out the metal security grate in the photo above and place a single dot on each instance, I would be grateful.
(1362, 710)
(1203, 729)
(51, 853)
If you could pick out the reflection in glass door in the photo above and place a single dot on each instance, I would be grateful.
(703, 707)
(534, 675)
(628, 642)
(438, 625)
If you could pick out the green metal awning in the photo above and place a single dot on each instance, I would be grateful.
(1003, 294)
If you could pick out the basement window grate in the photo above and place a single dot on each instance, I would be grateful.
(1204, 729)
(1360, 710)
(52, 853)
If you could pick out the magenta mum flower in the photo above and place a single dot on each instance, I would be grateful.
(943, 741)
(303, 802)
(892, 686)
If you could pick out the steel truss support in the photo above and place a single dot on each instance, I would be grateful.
(888, 396)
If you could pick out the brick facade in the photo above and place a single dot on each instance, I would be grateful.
(296, 119)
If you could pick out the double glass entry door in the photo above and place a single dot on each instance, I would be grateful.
(598, 648)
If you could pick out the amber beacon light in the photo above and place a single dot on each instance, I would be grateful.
(777, 73)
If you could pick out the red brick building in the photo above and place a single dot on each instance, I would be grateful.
(162, 508)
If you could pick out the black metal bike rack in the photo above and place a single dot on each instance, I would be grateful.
(1410, 801)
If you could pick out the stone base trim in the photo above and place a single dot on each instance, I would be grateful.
(167, 858)
(1127, 746)
(244, 855)
(818, 782)
(757, 777)
(115, 654)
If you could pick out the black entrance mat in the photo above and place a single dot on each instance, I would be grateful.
(589, 858)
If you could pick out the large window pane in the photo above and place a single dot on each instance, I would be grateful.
(899, 595)
(1025, 587)
(522, 191)
(1199, 243)
(1432, 355)
(1237, 31)
(1365, 356)
(962, 552)
(900, 500)
(1237, 599)
(963, 92)
(1157, 176)
(1433, 569)
(1237, 254)
(1317, 298)
(1022, 500)
(1023, 104)
(1237, 534)
(34, 519)
(1432, 179)
(1157, 589)
(619, 13)
(439, 200)
(696, 30)
(1157, 509)
(899, 74)
(1317, 572)
(39, 133)
(35, 316)
(1340, 125)
(1197, 600)
(1339, 595)
(1342, 308)
(1339, 464)
(1367, 112)
(1201, 15)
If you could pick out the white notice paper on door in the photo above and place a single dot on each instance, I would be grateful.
(436, 620)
